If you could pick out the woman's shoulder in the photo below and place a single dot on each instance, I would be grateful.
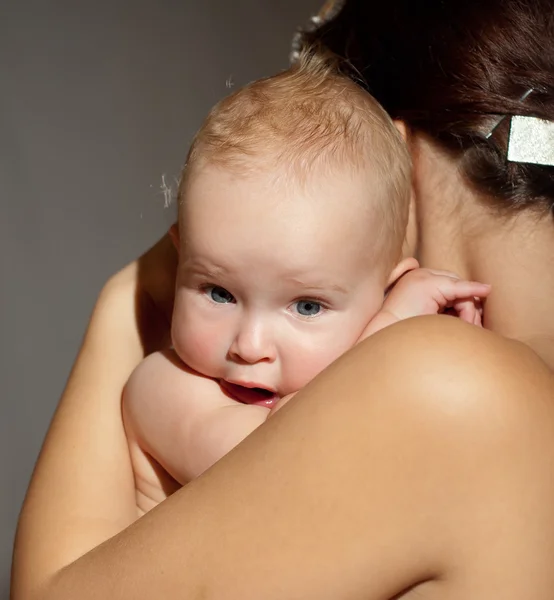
(439, 366)
(449, 431)
(443, 347)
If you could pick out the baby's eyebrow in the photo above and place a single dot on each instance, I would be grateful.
(204, 268)
(318, 287)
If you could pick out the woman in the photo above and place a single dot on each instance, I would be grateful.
(421, 464)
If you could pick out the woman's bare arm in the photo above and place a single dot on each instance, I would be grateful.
(82, 492)
(391, 468)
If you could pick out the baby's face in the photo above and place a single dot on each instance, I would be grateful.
(273, 284)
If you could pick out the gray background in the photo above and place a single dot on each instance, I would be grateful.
(98, 100)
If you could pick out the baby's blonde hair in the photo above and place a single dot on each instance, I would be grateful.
(307, 121)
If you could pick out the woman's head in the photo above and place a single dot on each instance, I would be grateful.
(451, 70)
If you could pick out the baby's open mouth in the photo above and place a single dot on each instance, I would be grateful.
(249, 395)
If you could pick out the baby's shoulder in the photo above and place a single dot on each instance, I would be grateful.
(164, 371)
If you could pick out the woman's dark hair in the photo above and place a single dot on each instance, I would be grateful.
(452, 69)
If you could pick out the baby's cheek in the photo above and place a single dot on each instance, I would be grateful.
(310, 362)
(197, 349)
(303, 371)
(194, 341)
(312, 354)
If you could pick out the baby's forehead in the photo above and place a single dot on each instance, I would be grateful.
(333, 210)
(330, 187)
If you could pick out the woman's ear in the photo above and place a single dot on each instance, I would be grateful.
(405, 265)
(174, 235)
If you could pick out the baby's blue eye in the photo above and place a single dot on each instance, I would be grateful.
(220, 295)
(308, 308)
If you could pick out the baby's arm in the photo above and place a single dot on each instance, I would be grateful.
(182, 420)
(429, 292)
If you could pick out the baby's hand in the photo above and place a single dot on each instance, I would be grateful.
(430, 292)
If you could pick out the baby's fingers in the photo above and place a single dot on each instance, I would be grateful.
(468, 310)
(463, 289)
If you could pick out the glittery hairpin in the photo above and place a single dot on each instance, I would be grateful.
(531, 140)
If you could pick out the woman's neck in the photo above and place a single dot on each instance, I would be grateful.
(457, 232)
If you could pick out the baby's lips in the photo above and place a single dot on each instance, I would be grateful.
(249, 395)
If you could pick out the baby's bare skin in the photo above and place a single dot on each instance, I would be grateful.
(179, 422)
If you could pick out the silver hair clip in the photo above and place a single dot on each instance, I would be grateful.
(531, 141)
(501, 120)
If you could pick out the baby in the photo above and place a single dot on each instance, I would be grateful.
(293, 207)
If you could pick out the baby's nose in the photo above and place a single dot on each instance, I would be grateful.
(252, 344)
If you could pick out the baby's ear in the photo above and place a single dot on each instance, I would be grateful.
(174, 235)
(405, 265)
(402, 128)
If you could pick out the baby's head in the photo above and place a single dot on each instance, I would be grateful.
(292, 213)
